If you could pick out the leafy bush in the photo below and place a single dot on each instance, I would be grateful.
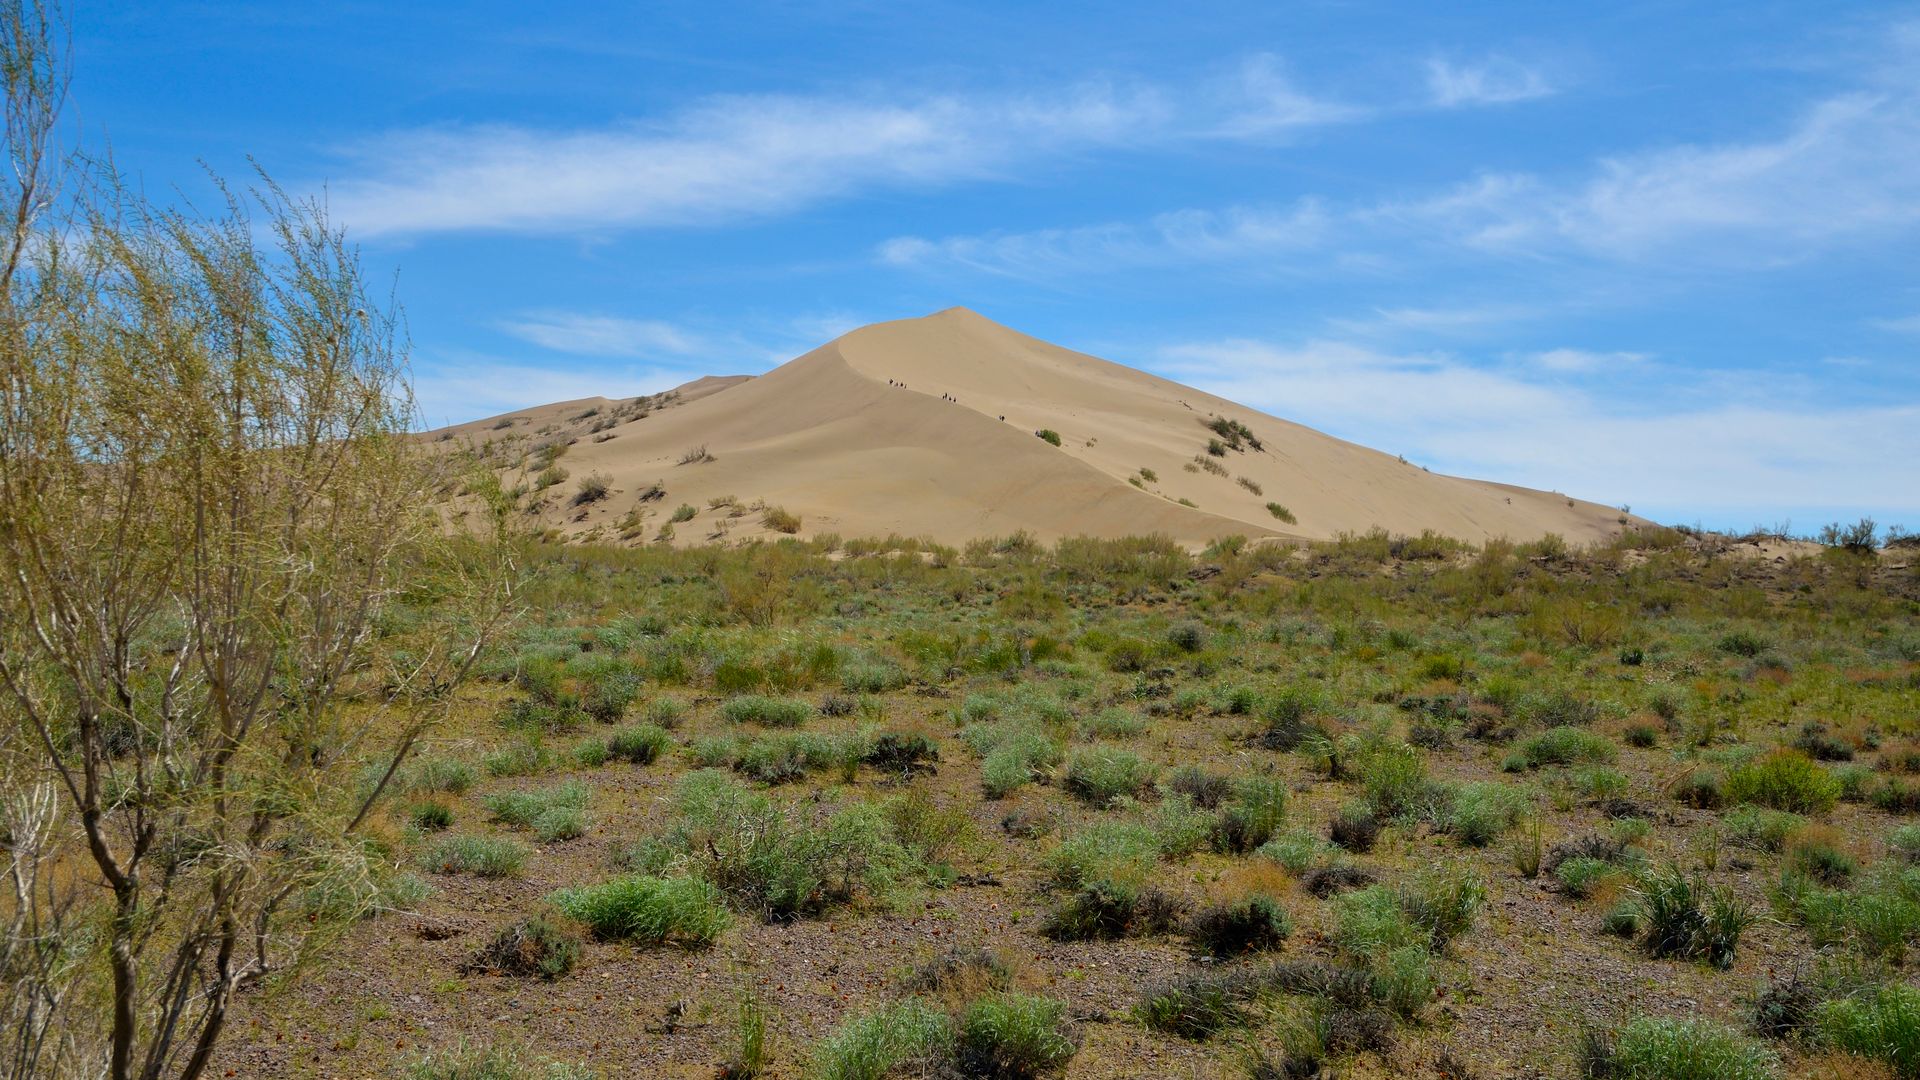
(1282, 513)
(646, 909)
(1051, 436)
(1785, 779)
(1258, 809)
(482, 856)
(1013, 1036)
(1195, 1007)
(780, 520)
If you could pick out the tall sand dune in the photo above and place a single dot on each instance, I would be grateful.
(927, 427)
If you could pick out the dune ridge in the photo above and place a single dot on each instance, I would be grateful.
(926, 427)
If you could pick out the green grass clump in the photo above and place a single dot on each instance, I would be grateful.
(640, 744)
(555, 813)
(791, 755)
(1689, 919)
(1883, 1024)
(766, 711)
(1195, 1007)
(523, 757)
(1249, 819)
(1104, 851)
(1562, 746)
(1239, 927)
(1015, 760)
(647, 909)
(1281, 512)
(873, 1046)
(1482, 812)
(1099, 775)
(436, 775)
(1013, 1036)
(1785, 779)
(481, 856)
(1659, 1048)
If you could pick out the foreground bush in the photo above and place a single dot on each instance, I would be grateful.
(1884, 1024)
(1656, 1048)
(1013, 1036)
(910, 1033)
(766, 711)
(648, 910)
(1785, 780)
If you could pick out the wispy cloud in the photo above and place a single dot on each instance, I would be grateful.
(454, 386)
(1495, 81)
(1183, 235)
(1584, 361)
(725, 159)
(1473, 419)
(581, 334)
(1264, 101)
(1909, 324)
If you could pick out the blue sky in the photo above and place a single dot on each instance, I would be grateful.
(1652, 254)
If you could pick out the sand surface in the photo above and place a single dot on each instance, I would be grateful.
(926, 427)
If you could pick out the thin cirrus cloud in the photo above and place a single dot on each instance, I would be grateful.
(1726, 456)
(580, 334)
(1845, 170)
(736, 158)
(1179, 236)
(1494, 81)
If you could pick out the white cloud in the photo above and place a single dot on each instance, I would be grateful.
(1907, 325)
(1495, 81)
(1461, 418)
(1584, 361)
(1264, 102)
(583, 334)
(1179, 236)
(725, 159)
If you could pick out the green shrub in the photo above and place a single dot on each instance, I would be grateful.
(1883, 1024)
(430, 816)
(1238, 927)
(1444, 903)
(1402, 979)
(1787, 780)
(1113, 724)
(1050, 435)
(1195, 1007)
(1013, 1036)
(1256, 812)
(1104, 851)
(1688, 919)
(482, 856)
(646, 909)
(610, 691)
(1580, 875)
(1282, 513)
(436, 775)
(1659, 1048)
(766, 711)
(1099, 775)
(524, 757)
(555, 813)
(873, 1046)
(1752, 826)
(640, 744)
(1393, 781)
(1563, 746)
(1482, 812)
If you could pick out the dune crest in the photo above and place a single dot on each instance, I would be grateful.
(927, 427)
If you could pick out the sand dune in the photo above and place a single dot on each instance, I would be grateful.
(926, 427)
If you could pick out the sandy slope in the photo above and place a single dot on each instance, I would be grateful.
(828, 436)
